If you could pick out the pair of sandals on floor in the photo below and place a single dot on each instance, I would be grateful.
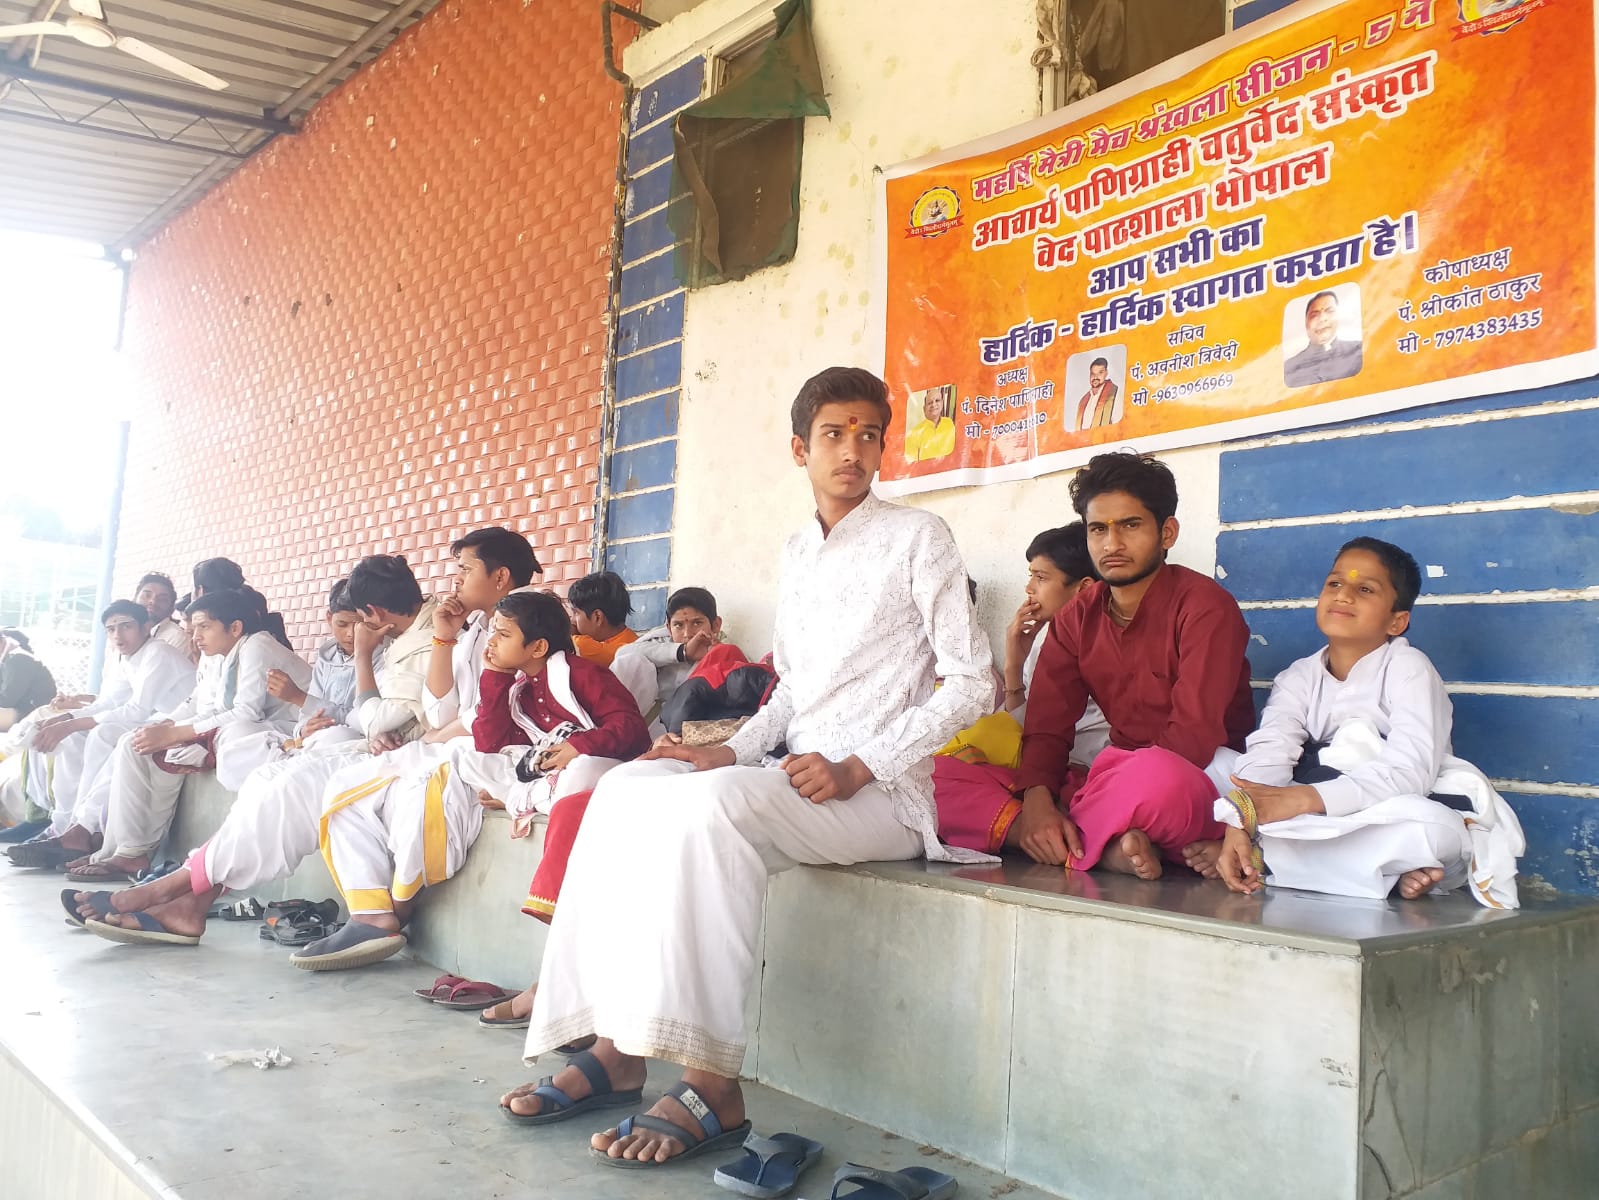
(770, 1167)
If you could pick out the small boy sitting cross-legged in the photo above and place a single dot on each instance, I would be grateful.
(1349, 785)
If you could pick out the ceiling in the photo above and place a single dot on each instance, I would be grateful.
(100, 146)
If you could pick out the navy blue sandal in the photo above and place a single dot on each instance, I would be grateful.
(711, 1136)
(771, 1167)
(99, 901)
(913, 1183)
(565, 1108)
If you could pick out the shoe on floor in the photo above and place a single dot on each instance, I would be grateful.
(356, 945)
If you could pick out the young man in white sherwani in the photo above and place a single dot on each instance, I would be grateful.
(675, 853)
(67, 752)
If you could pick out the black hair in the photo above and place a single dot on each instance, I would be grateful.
(126, 608)
(971, 588)
(1333, 296)
(1067, 548)
(1402, 570)
(1143, 477)
(21, 639)
(156, 577)
(837, 385)
(339, 597)
(218, 575)
(539, 615)
(232, 604)
(603, 590)
(499, 547)
(182, 606)
(1101, 361)
(385, 581)
(692, 597)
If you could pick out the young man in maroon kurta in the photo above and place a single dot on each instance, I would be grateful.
(1160, 649)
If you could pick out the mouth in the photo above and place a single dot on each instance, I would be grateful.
(1109, 563)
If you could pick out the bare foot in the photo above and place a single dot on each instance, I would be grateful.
(514, 1009)
(144, 895)
(1201, 857)
(115, 868)
(1133, 854)
(185, 915)
(385, 921)
(724, 1096)
(1415, 884)
(626, 1073)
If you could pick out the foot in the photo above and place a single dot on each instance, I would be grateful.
(1201, 857)
(514, 1009)
(626, 1073)
(1133, 854)
(185, 915)
(646, 1145)
(109, 868)
(145, 896)
(1415, 884)
(387, 922)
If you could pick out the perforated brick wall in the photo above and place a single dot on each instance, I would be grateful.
(390, 327)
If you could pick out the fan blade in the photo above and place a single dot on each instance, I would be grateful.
(33, 29)
(170, 62)
(87, 8)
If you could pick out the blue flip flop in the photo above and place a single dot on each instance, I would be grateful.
(771, 1167)
(913, 1183)
(601, 1094)
(148, 932)
(710, 1137)
(100, 901)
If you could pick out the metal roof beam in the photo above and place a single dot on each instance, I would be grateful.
(265, 121)
(122, 134)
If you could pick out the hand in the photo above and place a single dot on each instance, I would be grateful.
(1045, 834)
(1022, 631)
(154, 738)
(1236, 863)
(488, 801)
(449, 618)
(367, 639)
(283, 688)
(316, 723)
(50, 735)
(68, 703)
(450, 729)
(1280, 803)
(821, 779)
(382, 743)
(562, 754)
(666, 739)
(698, 646)
(702, 758)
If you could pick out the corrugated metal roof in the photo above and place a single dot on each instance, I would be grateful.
(98, 145)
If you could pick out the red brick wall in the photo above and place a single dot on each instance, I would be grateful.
(390, 327)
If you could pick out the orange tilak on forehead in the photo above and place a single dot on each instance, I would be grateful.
(854, 421)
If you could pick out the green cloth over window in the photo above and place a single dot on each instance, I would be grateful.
(736, 158)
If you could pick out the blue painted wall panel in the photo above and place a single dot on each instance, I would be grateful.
(643, 562)
(1525, 456)
(639, 516)
(646, 420)
(646, 467)
(1254, 10)
(652, 371)
(1468, 643)
(649, 146)
(647, 280)
(1531, 550)
(647, 235)
(650, 325)
(1562, 840)
(664, 97)
(649, 607)
(1547, 739)
(650, 190)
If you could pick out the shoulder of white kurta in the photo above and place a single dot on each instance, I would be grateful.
(1405, 662)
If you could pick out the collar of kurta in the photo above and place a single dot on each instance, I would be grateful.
(1160, 584)
(1367, 664)
(861, 514)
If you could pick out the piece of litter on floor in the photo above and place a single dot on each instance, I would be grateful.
(261, 1060)
(480, 1081)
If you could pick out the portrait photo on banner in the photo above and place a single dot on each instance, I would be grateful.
(1096, 380)
(930, 424)
(1322, 336)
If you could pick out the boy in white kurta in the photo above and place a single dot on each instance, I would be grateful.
(675, 853)
(1349, 786)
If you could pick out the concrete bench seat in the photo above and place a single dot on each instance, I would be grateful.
(1100, 1036)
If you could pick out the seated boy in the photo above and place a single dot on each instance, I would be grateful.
(655, 665)
(326, 705)
(67, 752)
(600, 607)
(25, 682)
(1335, 783)
(159, 597)
(974, 777)
(549, 724)
(228, 707)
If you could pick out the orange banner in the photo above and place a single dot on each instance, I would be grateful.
(1339, 211)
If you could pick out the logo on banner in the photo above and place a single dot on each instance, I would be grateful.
(1493, 16)
(936, 212)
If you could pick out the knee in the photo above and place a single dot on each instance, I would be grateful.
(1167, 775)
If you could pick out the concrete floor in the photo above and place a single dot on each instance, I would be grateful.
(387, 1095)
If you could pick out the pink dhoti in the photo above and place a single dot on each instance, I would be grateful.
(1151, 789)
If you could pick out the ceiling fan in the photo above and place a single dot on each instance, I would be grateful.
(88, 25)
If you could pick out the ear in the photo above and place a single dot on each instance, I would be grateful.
(1168, 533)
(797, 448)
(1398, 623)
(716, 625)
(539, 648)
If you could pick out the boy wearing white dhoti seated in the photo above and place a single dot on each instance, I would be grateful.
(548, 725)
(1349, 785)
(675, 853)
(68, 752)
(273, 824)
(214, 729)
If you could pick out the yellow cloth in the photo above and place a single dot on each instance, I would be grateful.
(994, 739)
(604, 652)
(930, 441)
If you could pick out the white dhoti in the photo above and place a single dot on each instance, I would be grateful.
(274, 823)
(1365, 854)
(75, 766)
(13, 793)
(653, 944)
(140, 803)
(387, 838)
